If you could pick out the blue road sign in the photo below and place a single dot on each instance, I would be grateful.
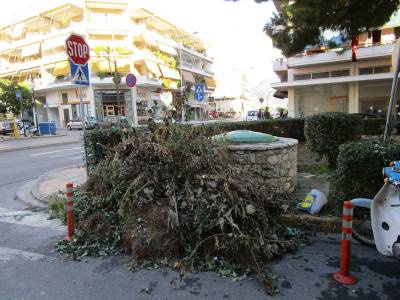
(199, 91)
(130, 80)
(79, 73)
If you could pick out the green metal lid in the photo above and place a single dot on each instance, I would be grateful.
(245, 136)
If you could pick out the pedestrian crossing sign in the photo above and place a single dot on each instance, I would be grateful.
(79, 73)
(199, 91)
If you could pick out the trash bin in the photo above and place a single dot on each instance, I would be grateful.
(47, 127)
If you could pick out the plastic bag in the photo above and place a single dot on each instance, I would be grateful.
(313, 202)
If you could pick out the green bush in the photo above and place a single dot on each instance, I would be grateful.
(359, 169)
(374, 126)
(325, 132)
(292, 128)
(98, 144)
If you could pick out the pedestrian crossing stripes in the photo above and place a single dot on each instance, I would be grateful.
(29, 218)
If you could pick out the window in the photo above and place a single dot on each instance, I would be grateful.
(382, 69)
(302, 76)
(376, 36)
(320, 75)
(64, 98)
(365, 71)
(340, 73)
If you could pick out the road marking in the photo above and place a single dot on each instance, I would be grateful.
(7, 254)
(29, 218)
(67, 154)
(76, 157)
(55, 151)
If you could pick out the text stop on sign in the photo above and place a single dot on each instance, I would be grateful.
(77, 49)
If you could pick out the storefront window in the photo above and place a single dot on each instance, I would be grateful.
(107, 104)
(374, 97)
(321, 98)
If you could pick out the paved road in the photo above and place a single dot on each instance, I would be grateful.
(30, 269)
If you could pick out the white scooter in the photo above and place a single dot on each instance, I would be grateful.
(384, 214)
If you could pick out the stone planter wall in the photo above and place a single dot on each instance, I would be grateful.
(273, 164)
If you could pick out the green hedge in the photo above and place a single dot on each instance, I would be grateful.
(374, 126)
(98, 144)
(325, 132)
(359, 169)
(99, 140)
(292, 128)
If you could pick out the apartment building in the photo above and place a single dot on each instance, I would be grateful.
(121, 38)
(322, 79)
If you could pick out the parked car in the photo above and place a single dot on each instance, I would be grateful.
(112, 122)
(90, 123)
(252, 115)
(6, 126)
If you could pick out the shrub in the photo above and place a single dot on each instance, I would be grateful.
(99, 143)
(292, 128)
(359, 169)
(171, 193)
(325, 132)
(374, 126)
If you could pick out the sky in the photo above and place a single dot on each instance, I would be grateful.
(234, 29)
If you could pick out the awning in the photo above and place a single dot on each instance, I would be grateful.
(188, 77)
(61, 68)
(54, 43)
(281, 94)
(105, 5)
(18, 31)
(30, 50)
(167, 49)
(150, 40)
(167, 72)
(210, 82)
(101, 64)
(153, 68)
(123, 64)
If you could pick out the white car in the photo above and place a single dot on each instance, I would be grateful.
(252, 115)
(90, 123)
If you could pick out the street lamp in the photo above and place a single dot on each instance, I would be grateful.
(35, 120)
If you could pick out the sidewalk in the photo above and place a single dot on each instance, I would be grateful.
(63, 138)
(36, 192)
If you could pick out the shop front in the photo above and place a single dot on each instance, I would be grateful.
(108, 104)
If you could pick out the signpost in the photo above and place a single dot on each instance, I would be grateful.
(131, 82)
(78, 52)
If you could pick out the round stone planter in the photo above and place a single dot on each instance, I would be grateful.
(273, 164)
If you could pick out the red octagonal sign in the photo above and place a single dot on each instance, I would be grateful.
(77, 49)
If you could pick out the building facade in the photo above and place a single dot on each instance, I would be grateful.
(122, 39)
(323, 79)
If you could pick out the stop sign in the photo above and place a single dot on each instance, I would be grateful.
(77, 49)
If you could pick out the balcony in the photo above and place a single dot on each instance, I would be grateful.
(194, 69)
(33, 38)
(336, 55)
(280, 64)
(331, 80)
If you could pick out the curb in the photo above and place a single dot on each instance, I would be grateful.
(30, 194)
(37, 146)
(320, 224)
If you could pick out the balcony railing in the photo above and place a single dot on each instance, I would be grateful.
(326, 55)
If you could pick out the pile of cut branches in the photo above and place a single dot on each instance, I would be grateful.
(171, 194)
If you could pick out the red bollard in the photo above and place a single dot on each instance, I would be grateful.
(70, 212)
(344, 276)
